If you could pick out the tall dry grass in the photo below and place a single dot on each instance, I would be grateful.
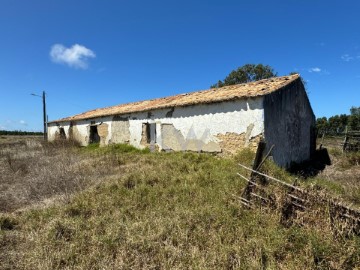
(33, 171)
(139, 210)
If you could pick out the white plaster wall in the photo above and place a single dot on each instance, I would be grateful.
(52, 128)
(81, 126)
(201, 122)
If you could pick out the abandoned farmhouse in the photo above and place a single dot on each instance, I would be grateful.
(223, 120)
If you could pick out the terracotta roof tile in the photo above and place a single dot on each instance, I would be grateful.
(226, 93)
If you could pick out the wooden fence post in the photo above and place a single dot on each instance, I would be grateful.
(253, 176)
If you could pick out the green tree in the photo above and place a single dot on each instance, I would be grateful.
(322, 125)
(247, 73)
(355, 111)
(19, 132)
(338, 123)
(354, 122)
(354, 118)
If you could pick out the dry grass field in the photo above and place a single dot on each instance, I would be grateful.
(342, 177)
(66, 207)
(36, 173)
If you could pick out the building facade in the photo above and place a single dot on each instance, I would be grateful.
(220, 120)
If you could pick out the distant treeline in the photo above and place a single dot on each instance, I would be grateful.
(19, 132)
(337, 124)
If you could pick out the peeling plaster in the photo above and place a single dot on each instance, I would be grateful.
(200, 123)
(223, 126)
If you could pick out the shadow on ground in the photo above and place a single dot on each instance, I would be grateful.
(314, 166)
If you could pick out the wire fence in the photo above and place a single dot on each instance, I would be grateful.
(347, 141)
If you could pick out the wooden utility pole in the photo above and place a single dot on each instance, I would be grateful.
(44, 112)
(44, 116)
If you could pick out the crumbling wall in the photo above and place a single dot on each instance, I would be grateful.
(189, 128)
(144, 135)
(79, 131)
(228, 143)
(172, 139)
(195, 128)
(120, 132)
(60, 134)
(231, 142)
(103, 131)
(54, 131)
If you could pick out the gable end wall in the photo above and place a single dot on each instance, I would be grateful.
(289, 124)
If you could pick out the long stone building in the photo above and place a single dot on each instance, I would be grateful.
(223, 120)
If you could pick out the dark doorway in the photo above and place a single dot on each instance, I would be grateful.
(94, 135)
(62, 133)
(149, 133)
(152, 133)
(148, 136)
(146, 133)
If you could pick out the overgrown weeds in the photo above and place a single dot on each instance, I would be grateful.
(139, 210)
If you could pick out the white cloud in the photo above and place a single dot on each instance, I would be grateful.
(76, 56)
(346, 57)
(314, 69)
(13, 125)
(317, 70)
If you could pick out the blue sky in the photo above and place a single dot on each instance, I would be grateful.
(91, 54)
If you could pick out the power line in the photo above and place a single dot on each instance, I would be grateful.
(71, 103)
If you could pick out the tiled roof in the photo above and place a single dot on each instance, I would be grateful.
(226, 93)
